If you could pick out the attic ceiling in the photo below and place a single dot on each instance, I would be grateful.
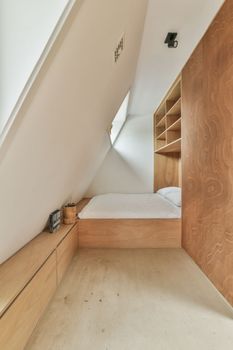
(59, 138)
(158, 66)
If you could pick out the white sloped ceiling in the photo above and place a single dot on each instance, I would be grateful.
(22, 41)
(59, 137)
(158, 66)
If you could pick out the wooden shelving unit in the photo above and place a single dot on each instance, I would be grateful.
(167, 138)
(167, 120)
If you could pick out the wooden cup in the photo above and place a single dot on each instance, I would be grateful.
(70, 214)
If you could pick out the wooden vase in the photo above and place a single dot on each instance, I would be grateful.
(70, 215)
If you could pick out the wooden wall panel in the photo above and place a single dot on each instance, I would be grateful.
(207, 152)
(166, 170)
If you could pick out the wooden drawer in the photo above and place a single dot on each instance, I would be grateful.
(65, 252)
(18, 322)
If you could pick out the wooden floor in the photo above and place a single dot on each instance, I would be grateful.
(135, 300)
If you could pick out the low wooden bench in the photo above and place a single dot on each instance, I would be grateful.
(29, 279)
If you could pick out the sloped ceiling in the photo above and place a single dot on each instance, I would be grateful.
(59, 137)
(128, 167)
(22, 41)
(159, 66)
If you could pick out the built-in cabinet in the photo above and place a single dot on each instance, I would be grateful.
(28, 281)
(20, 319)
(65, 253)
(167, 139)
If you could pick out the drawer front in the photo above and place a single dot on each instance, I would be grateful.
(18, 322)
(65, 252)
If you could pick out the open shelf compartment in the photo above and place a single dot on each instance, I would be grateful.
(167, 139)
(168, 122)
(172, 147)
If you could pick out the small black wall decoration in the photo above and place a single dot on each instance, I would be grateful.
(171, 40)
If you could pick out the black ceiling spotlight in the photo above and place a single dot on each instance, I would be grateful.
(170, 40)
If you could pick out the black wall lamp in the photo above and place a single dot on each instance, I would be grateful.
(171, 40)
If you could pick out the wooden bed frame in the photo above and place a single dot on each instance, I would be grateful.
(128, 233)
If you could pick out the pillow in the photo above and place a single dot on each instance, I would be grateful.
(173, 194)
(165, 190)
(174, 198)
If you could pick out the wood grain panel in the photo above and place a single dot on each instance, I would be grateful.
(166, 170)
(66, 250)
(207, 146)
(20, 268)
(17, 324)
(129, 233)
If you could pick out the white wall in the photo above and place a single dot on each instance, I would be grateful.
(59, 139)
(25, 27)
(128, 166)
(159, 66)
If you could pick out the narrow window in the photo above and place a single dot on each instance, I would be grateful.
(119, 119)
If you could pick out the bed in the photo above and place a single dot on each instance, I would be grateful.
(131, 220)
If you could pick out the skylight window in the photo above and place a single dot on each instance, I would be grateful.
(119, 119)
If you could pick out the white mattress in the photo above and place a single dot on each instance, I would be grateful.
(130, 206)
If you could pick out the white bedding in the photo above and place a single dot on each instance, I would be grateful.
(130, 206)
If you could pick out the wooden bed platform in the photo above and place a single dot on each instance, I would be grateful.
(128, 233)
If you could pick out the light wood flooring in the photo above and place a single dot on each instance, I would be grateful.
(135, 300)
